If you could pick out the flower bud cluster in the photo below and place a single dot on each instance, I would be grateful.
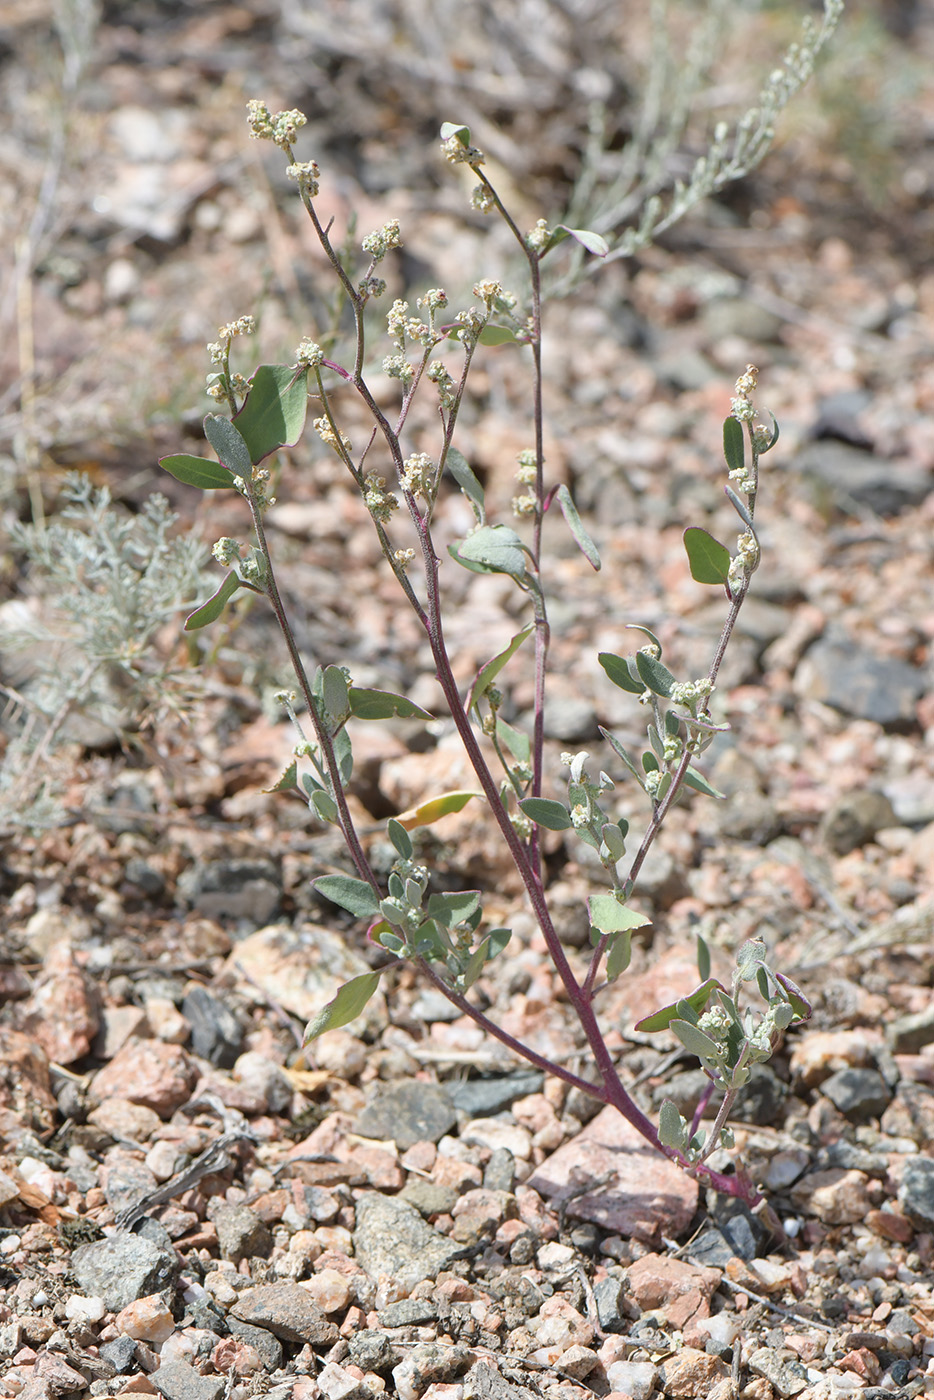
(282, 128)
(398, 367)
(306, 173)
(482, 200)
(443, 382)
(309, 354)
(378, 244)
(226, 551)
(528, 467)
(418, 476)
(538, 237)
(741, 406)
(456, 153)
(493, 297)
(244, 325)
(745, 562)
(322, 427)
(471, 323)
(378, 501)
(691, 693)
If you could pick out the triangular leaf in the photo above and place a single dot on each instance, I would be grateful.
(734, 444)
(434, 809)
(696, 1042)
(544, 812)
(229, 445)
(212, 609)
(197, 471)
(518, 744)
(610, 916)
(593, 242)
(709, 559)
(452, 906)
(617, 668)
(355, 896)
(496, 335)
(487, 673)
(383, 704)
(477, 959)
(346, 1006)
(274, 412)
(661, 1020)
(492, 549)
(637, 627)
(699, 783)
(287, 781)
(584, 543)
(456, 463)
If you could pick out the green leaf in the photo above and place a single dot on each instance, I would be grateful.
(229, 445)
(774, 435)
(584, 543)
(518, 744)
(613, 840)
(452, 906)
(400, 839)
(618, 954)
(734, 444)
(544, 812)
(749, 958)
(799, 1002)
(274, 412)
(699, 783)
(624, 755)
(343, 752)
(498, 939)
(696, 1042)
(212, 609)
(324, 805)
(709, 559)
(336, 694)
(609, 916)
(672, 723)
(477, 959)
(661, 1020)
(435, 808)
(740, 508)
(456, 463)
(656, 676)
(197, 471)
(658, 748)
(637, 627)
(383, 704)
(346, 1006)
(593, 242)
(449, 129)
(617, 668)
(496, 335)
(488, 673)
(703, 959)
(492, 549)
(287, 781)
(671, 1129)
(355, 896)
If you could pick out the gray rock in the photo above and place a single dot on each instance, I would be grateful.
(481, 1098)
(428, 1197)
(431, 1006)
(846, 477)
(911, 1113)
(262, 1340)
(123, 1267)
(233, 889)
(127, 1182)
(760, 1098)
(851, 1158)
(859, 1094)
(916, 1192)
(850, 678)
(500, 1171)
(854, 819)
(241, 1234)
(176, 1380)
(610, 1298)
(216, 1034)
(728, 316)
(120, 1353)
(908, 1034)
(392, 1238)
(408, 1113)
(733, 1232)
(408, 1312)
(372, 1350)
(785, 1375)
(288, 1311)
(430, 1364)
(570, 719)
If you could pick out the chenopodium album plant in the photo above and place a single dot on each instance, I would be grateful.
(443, 933)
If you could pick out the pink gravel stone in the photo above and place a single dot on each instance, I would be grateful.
(150, 1072)
(644, 1196)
